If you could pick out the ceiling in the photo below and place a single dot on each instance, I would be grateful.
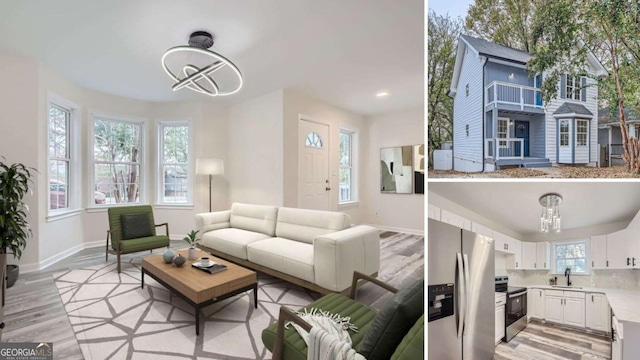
(515, 205)
(342, 52)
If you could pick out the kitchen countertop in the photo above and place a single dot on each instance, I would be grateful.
(625, 304)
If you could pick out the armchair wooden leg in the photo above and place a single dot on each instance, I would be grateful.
(118, 262)
(106, 249)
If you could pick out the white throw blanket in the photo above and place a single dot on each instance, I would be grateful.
(324, 346)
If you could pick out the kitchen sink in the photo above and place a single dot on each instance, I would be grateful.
(566, 287)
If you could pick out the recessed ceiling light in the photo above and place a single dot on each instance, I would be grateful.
(382, 94)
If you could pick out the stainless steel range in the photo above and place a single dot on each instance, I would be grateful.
(516, 309)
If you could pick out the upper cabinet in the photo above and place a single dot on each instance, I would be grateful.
(506, 244)
(599, 252)
(529, 255)
(455, 220)
(618, 250)
(543, 255)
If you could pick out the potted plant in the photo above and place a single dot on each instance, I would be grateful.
(15, 181)
(191, 240)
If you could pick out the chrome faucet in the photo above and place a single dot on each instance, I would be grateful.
(567, 273)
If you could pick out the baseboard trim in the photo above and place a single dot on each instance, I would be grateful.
(399, 230)
(27, 268)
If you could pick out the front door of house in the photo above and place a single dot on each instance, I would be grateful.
(313, 165)
(522, 132)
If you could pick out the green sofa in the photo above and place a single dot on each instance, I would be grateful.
(120, 244)
(287, 343)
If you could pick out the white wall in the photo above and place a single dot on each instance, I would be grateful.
(297, 103)
(403, 212)
(19, 129)
(255, 165)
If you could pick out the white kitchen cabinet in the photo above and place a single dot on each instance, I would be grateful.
(542, 255)
(500, 318)
(536, 304)
(554, 311)
(529, 253)
(598, 313)
(565, 307)
(481, 229)
(617, 340)
(618, 250)
(599, 252)
(514, 262)
(574, 308)
(455, 219)
(433, 212)
(501, 241)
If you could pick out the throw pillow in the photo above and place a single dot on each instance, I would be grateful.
(393, 322)
(136, 226)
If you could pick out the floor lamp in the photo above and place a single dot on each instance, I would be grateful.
(209, 166)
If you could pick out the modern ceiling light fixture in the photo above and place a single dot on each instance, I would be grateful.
(382, 94)
(196, 68)
(550, 220)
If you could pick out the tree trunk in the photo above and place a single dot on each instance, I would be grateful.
(133, 175)
(630, 155)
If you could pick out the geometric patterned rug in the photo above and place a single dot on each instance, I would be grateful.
(113, 318)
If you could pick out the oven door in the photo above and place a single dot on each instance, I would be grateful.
(516, 307)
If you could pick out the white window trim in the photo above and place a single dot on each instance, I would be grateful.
(587, 245)
(144, 188)
(74, 205)
(159, 173)
(586, 134)
(508, 133)
(354, 167)
(571, 95)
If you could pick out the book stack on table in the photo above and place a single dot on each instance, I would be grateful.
(212, 268)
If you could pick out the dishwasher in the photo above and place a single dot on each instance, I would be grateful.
(617, 337)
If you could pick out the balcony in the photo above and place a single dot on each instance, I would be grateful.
(513, 95)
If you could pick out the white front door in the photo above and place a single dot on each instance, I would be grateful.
(313, 165)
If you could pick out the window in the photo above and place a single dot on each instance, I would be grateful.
(347, 176)
(59, 157)
(117, 160)
(174, 163)
(466, 128)
(582, 131)
(571, 255)
(467, 89)
(313, 140)
(503, 131)
(564, 132)
(574, 87)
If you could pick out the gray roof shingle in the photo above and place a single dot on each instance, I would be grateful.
(494, 50)
(571, 108)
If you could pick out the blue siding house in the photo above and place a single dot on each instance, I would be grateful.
(499, 117)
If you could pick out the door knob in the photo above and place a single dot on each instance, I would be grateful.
(327, 188)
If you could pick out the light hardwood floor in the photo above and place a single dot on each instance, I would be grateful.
(34, 310)
(545, 341)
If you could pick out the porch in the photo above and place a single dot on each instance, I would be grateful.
(511, 152)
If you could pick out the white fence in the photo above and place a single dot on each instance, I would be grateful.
(443, 159)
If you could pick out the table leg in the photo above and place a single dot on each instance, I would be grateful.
(255, 295)
(197, 321)
(142, 279)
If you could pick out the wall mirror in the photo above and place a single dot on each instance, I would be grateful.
(396, 170)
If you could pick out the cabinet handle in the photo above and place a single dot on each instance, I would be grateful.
(545, 264)
(628, 261)
(534, 265)
(607, 263)
(592, 263)
(516, 264)
(634, 261)
(591, 298)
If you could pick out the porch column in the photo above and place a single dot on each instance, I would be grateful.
(609, 144)
(494, 119)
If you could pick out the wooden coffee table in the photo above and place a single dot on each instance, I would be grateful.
(199, 288)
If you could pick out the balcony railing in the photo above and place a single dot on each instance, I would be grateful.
(504, 148)
(505, 93)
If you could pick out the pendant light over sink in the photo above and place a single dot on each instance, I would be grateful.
(196, 68)
(550, 220)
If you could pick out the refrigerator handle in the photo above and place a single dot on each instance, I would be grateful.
(466, 287)
(462, 295)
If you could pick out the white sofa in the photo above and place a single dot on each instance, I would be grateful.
(315, 249)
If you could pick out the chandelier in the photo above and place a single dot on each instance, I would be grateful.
(198, 69)
(550, 220)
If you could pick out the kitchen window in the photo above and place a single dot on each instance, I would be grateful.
(571, 255)
(175, 158)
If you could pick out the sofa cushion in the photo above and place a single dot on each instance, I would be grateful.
(393, 322)
(304, 225)
(258, 218)
(296, 349)
(412, 345)
(232, 241)
(288, 256)
(136, 226)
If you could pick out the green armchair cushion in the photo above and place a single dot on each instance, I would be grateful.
(136, 226)
(412, 345)
(296, 349)
(145, 243)
(393, 322)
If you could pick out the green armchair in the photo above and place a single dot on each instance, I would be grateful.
(132, 229)
(375, 330)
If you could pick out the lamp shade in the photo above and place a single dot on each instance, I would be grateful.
(209, 166)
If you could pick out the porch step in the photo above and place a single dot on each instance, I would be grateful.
(537, 165)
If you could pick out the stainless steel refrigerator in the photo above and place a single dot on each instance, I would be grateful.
(461, 294)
